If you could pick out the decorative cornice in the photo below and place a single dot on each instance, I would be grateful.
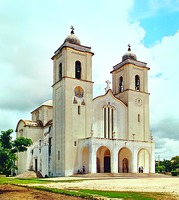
(129, 61)
(73, 46)
(64, 77)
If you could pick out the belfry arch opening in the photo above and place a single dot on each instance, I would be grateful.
(137, 83)
(103, 160)
(121, 84)
(60, 71)
(78, 69)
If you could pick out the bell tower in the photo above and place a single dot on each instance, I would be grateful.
(72, 102)
(130, 85)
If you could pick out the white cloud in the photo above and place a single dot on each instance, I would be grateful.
(165, 148)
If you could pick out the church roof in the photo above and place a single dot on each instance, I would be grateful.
(109, 93)
(130, 58)
(73, 42)
(47, 103)
(29, 123)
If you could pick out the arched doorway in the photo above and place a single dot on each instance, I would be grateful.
(125, 165)
(143, 161)
(103, 159)
(124, 160)
(85, 159)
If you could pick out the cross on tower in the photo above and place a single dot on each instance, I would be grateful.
(72, 29)
(107, 87)
(129, 47)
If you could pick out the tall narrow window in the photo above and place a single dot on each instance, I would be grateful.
(109, 124)
(58, 155)
(78, 110)
(60, 71)
(77, 70)
(112, 120)
(104, 122)
(137, 83)
(138, 117)
(121, 84)
(108, 117)
(50, 145)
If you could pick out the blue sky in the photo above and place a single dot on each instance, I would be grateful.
(30, 32)
(158, 18)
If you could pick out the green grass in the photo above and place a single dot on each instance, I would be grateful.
(4, 180)
(84, 193)
(93, 194)
(117, 194)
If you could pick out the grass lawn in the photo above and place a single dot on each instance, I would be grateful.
(90, 194)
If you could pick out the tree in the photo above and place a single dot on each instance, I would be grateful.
(167, 164)
(175, 162)
(8, 150)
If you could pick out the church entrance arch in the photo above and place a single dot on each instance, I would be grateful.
(143, 161)
(125, 165)
(103, 160)
(85, 159)
(124, 160)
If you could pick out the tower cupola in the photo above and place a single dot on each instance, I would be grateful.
(73, 39)
(129, 54)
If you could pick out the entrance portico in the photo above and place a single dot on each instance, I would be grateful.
(101, 155)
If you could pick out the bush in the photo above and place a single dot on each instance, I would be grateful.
(174, 173)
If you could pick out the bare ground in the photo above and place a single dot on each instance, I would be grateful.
(12, 192)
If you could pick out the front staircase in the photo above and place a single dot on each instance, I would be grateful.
(120, 175)
(30, 174)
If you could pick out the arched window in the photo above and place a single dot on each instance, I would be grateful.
(121, 84)
(137, 83)
(77, 70)
(108, 117)
(60, 71)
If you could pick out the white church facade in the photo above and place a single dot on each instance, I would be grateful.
(109, 133)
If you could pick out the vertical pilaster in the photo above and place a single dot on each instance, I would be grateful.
(114, 161)
(134, 162)
(92, 159)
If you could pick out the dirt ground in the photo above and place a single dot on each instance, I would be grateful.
(12, 192)
(163, 184)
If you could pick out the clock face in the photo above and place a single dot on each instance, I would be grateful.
(138, 101)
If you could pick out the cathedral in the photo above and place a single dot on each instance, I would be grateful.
(74, 133)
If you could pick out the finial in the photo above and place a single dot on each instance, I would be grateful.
(129, 47)
(107, 87)
(72, 29)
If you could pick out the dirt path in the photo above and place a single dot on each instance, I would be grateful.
(11, 192)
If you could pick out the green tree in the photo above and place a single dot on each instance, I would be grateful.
(8, 150)
(175, 162)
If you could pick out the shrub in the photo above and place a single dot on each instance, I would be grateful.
(174, 173)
